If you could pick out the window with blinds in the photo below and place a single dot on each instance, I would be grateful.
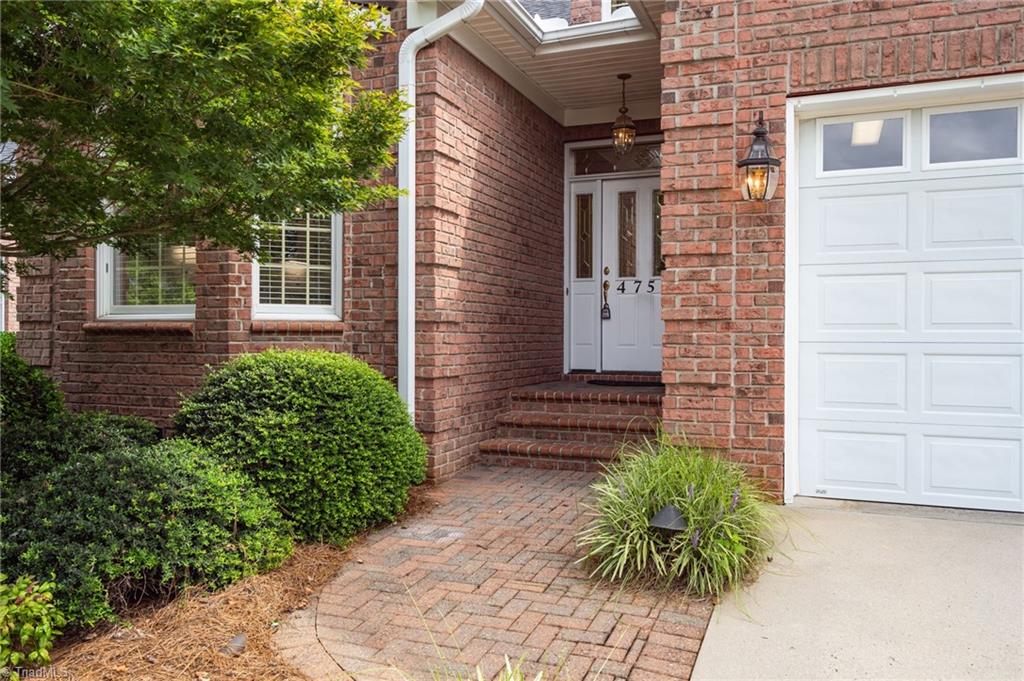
(299, 267)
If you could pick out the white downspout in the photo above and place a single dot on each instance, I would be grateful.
(407, 199)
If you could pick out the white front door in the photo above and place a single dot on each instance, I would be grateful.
(910, 307)
(615, 237)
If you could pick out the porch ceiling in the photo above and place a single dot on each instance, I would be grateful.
(571, 73)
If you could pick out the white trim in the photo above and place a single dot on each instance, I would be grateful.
(330, 312)
(918, 95)
(926, 125)
(921, 95)
(820, 123)
(107, 310)
(791, 308)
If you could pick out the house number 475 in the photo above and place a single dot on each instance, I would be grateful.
(636, 284)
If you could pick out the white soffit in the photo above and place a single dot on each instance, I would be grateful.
(570, 73)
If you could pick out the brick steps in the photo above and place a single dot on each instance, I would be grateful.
(572, 425)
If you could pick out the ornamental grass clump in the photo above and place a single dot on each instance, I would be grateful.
(727, 519)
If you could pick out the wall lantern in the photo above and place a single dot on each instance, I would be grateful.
(760, 168)
(669, 520)
(624, 130)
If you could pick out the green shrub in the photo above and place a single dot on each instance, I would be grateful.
(29, 623)
(32, 415)
(327, 436)
(728, 519)
(122, 524)
(98, 431)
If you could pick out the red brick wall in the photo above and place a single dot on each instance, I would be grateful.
(490, 284)
(723, 289)
(584, 11)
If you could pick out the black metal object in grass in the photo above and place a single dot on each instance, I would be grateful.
(669, 520)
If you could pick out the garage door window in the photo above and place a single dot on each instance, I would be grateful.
(967, 135)
(867, 144)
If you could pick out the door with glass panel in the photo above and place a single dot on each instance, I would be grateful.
(631, 265)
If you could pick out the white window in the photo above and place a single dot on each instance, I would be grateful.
(300, 275)
(855, 145)
(972, 135)
(158, 282)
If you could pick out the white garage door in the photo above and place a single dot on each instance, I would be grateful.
(910, 367)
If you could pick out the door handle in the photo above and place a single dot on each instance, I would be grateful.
(606, 311)
(604, 287)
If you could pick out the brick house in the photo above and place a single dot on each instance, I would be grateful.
(856, 336)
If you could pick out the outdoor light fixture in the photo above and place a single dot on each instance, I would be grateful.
(760, 168)
(624, 130)
(669, 520)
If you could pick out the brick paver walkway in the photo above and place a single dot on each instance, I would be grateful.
(490, 572)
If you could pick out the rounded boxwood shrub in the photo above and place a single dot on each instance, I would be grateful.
(726, 519)
(32, 415)
(119, 525)
(327, 436)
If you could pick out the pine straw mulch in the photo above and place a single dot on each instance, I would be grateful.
(181, 639)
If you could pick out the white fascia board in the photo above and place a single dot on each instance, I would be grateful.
(514, 19)
(639, 110)
(556, 44)
(954, 91)
(494, 60)
(643, 14)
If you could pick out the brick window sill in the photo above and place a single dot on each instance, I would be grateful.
(297, 327)
(182, 327)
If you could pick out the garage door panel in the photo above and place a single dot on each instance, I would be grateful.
(853, 302)
(851, 381)
(926, 383)
(973, 299)
(989, 217)
(968, 218)
(863, 223)
(972, 384)
(971, 467)
(977, 301)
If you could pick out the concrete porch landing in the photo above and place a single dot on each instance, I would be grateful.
(490, 572)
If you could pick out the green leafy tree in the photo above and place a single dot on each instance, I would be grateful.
(124, 120)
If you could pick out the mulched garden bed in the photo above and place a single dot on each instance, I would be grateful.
(183, 638)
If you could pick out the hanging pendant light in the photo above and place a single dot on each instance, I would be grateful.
(624, 130)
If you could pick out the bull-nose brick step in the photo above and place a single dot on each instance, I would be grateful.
(635, 424)
(572, 425)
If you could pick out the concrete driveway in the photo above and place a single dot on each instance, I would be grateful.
(870, 591)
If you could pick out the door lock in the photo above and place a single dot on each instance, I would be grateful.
(606, 312)
(607, 271)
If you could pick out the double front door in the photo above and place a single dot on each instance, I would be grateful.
(615, 275)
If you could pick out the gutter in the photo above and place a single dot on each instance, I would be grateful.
(411, 46)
